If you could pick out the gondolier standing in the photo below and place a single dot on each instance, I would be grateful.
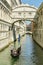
(19, 38)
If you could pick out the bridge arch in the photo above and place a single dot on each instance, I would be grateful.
(23, 12)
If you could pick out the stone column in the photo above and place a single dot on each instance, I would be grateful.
(14, 34)
(32, 26)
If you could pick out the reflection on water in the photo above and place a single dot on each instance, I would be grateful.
(31, 53)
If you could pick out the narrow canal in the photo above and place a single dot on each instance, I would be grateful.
(31, 53)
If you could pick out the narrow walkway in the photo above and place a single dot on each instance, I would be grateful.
(31, 54)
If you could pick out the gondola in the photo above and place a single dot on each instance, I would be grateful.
(16, 53)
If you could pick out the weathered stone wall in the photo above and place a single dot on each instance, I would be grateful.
(38, 26)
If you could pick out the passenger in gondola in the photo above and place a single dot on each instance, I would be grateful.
(14, 51)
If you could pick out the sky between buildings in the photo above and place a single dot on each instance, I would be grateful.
(35, 3)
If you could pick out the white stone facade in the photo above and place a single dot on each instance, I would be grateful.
(6, 35)
(38, 26)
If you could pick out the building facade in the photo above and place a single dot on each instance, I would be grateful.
(38, 26)
(6, 34)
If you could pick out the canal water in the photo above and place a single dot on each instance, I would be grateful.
(31, 53)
